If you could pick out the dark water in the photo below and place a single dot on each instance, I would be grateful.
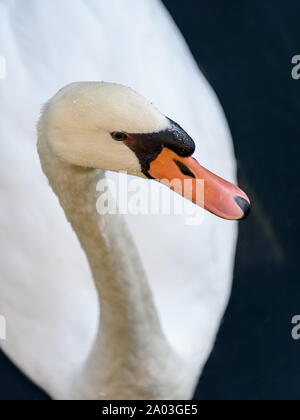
(245, 50)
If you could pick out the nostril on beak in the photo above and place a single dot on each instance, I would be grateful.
(184, 169)
(244, 205)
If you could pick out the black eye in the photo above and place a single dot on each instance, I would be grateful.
(117, 135)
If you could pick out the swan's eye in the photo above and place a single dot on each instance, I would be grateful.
(116, 135)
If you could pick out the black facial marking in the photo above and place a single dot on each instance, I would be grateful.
(179, 141)
(148, 146)
(184, 169)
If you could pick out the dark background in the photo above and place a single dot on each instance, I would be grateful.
(245, 47)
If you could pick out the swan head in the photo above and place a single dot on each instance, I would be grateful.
(108, 126)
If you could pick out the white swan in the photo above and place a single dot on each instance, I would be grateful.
(107, 126)
(47, 295)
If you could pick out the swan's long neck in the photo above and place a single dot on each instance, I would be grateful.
(130, 341)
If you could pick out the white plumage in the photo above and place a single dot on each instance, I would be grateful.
(47, 293)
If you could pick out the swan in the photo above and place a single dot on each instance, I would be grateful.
(48, 297)
(89, 126)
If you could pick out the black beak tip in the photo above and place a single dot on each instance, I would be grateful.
(244, 205)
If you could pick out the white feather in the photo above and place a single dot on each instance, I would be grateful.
(47, 293)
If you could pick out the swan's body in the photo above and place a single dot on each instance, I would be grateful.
(47, 293)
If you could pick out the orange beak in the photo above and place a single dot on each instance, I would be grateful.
(220, 197)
